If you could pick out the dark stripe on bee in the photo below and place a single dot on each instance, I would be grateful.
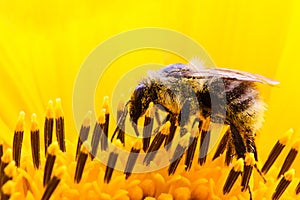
(235, 89)
(241, 105)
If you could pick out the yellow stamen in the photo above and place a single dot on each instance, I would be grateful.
(289, 175)
(286, 137)
(135, 193)
(18, 138)
(182, 193)
(8, 189)
(10, 169)
(35, 141)
(165, 196)
(249, 159)
(239, 165)
(83, 155)
(296, 145)
(60, 125)
(48, 125)
(106, 104)
(166, 128)
(84, 132)
(101, 118)
(21, 122)
(58, 108)
(50, 110)
(7, 156)
(53, 148)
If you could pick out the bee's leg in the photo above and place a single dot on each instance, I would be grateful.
(250, 145)
(251, 148)
(247, 151)
(238, 142)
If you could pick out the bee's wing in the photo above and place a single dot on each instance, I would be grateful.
(229, 74)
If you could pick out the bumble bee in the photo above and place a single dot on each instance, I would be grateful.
(216, 95)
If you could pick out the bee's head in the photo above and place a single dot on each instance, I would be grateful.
(137, 103)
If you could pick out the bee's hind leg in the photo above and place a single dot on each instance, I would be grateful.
(245, 148)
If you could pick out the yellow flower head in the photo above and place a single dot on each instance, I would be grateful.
(42, 47)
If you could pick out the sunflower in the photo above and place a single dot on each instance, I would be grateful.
(42, 48)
